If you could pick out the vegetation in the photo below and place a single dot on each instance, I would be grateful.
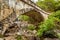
(50, 23)
(53, 21)
(49, 5)
(23, 17)
(32, 23)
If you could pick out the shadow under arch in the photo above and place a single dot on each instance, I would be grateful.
(36, 16)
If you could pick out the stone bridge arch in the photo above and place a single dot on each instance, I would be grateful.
(30, 4)
(36, 16)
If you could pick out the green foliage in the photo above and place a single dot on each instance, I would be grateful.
(57, 6)
(49, 24)
(31, 27)
(49, 5)
(23, 17)
(41, 4)
(18, 37)
(55, 14)
(46, 26)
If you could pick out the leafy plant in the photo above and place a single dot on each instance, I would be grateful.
(46, 26)
(55, 14)
(23, 17)
(49, 5)
(49, 24)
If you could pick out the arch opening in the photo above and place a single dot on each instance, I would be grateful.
(35, 17)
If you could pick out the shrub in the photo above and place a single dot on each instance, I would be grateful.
(49, 24)
(46, 26)
(49, 5)
(55, 14)
(23, 17)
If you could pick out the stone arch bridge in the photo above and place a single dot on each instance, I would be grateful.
(13, 8)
